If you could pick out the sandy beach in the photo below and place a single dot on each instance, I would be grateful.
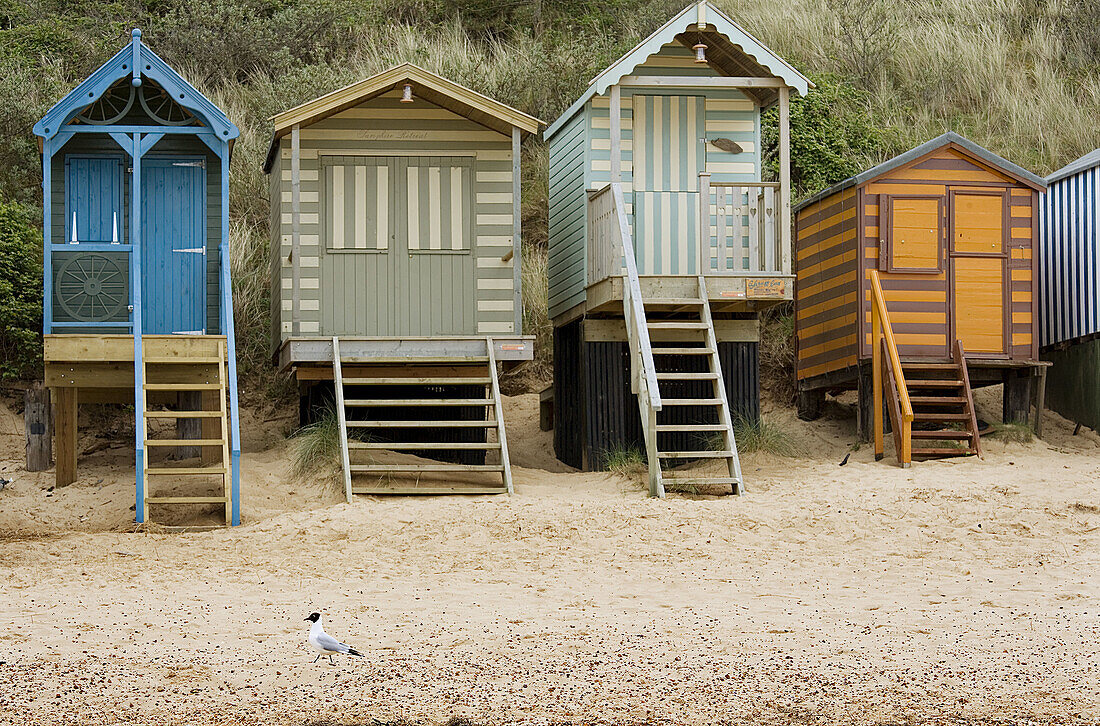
(955, 592)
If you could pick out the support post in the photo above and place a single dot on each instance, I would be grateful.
(876, 384)
(65, 402)
(1040, 400)
(1016, 401)
(135, 302)
(47, 237)
(614, 113)
(36, 420)
(704, 228)
(295, 230)
(227, 326)
(784, 238)
(517, 230)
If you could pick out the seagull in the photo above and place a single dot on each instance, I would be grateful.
(325, 643)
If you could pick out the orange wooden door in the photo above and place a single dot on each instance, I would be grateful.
(979, 262)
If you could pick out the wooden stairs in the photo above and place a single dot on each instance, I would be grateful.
(944, 421)
(681, 330)
(928, 401)
(182, 364)
(429, 424)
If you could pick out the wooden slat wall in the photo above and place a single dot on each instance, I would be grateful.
(919, 304)
(384, 126)
(568, 217)
(170, 145)
(827, 284)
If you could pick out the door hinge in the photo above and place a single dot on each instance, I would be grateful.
(193, 250)
(201, 164)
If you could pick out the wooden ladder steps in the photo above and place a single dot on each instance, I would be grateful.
(675, 325)
(927, 416)
(933, 383)
(688, 476)
(670, 301)
(476, 371)
(694, 454)
(413, 468)
(188, 373)
(942, 435)
(421, 424)
(707, 376)
(684, 351)
(936, 400)
(942, 453)
(691, 401)
(380, 402)
(422, 445)
(689, 428)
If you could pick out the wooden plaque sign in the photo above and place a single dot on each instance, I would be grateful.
(765, 287)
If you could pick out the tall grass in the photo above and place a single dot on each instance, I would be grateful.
(315, 448)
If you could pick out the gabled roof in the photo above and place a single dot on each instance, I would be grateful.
(948, 139)
(426, 85)
(1086, 162)
(135, 61)
(731, 50)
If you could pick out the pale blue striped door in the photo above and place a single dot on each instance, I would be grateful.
(173, 246)
(667, 158)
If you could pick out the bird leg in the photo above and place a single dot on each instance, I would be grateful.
(318, 657)
(330, 660)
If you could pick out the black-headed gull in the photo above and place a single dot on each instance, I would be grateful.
(325, 643)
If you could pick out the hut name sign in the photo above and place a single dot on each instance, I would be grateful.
(759, 287)
(391, 135)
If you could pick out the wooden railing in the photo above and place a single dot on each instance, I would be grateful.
(605, 243)
(887, 373)
(609, 225)
(739, 227)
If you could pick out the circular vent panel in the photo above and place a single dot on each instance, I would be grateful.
(91, 288)
(109, 108)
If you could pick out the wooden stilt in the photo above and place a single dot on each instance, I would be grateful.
(65, 403)
(36, 418)
(189, 428)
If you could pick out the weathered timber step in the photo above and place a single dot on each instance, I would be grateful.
(683, 351)
(412, 360)
(366, 402)
(182, 386)
(694, 454)
(936, 416)
(425, 424)
(685, 301)
(941, 434)
(186, 470)
(936, 400)
(428, 490)
(691, 401)
(183, 442)
(183, 414)
(700, 479)
(676, 325)
(184, 361)
(422, 445)
(403, 381)
(186, 500)
(413, 468)
(933, 383)
(931, 366)
(689, 428)
(708, 376)
(938, 453)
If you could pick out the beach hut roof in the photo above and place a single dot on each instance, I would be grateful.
(137, 62)
(1086, 162)
(948, 139)
(730, 50)
(429, 86)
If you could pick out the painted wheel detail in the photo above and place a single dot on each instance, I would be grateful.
(91, 288)
(109, 108)
(159, 104)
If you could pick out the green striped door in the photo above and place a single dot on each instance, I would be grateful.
(399, 246)
(668, 150)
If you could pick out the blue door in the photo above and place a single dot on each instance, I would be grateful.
(173, 241)
(93, 199)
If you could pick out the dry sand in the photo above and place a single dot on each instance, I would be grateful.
(961, 591)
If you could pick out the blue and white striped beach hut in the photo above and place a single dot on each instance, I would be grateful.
(1069, 308)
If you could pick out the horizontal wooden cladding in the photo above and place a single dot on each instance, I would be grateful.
(827, 284)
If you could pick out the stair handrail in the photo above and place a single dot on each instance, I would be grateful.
(643, 371)
(645, 380)
(883, 341)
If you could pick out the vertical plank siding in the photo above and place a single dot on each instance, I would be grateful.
(457, 178)
(1069, 305)
(567, 217)
(833, 327)
(171, 146)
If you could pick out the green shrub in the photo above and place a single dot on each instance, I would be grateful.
(20, 293)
